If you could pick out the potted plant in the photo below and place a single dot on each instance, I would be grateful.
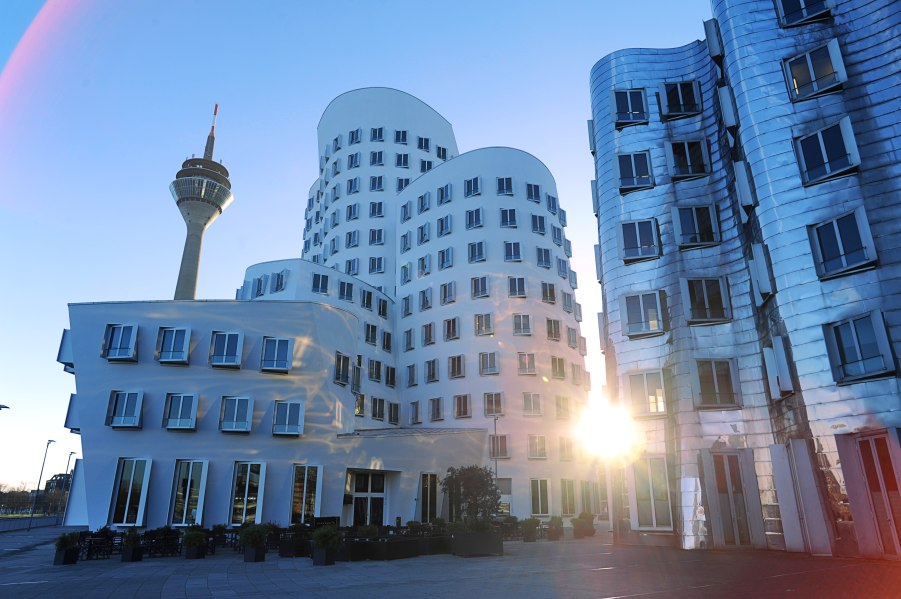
(132, 548)
(530, 530)
(217, 537)
(555, 528)
(253, 539)
(66, 549)
(583, 526)
(474, 500)
(195, 543)
(326, 540)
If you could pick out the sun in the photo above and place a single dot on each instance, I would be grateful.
(609, 433)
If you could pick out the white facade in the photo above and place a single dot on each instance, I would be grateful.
(319, 392)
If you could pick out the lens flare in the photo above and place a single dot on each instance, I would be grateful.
(609, 433)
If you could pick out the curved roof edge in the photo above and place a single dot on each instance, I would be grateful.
(488, 148)
(627, 51)
(390, 89)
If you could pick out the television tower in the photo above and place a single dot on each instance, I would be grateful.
(202, 191)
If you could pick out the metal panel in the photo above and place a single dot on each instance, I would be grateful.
(792, 527)
(752, 498)
(813, 513)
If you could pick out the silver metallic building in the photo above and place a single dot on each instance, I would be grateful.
(747, 196)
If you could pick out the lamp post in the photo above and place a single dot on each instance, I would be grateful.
(494, 449)
(34, 500)
(66, 484)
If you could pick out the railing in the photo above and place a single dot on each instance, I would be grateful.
(709, 313)
(814, 86)
(711, 398)
(829, 167)
(631, 117)
(688, 108)
(845, 260)
(639, 181)
(863, 367)
(687, 170)
(640, 251)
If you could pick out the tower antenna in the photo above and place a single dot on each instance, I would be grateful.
(211, 138)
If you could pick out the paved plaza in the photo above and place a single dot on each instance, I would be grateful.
(591, 568)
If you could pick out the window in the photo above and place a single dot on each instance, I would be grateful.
(444, 225)
(558, 367)
(798, 12)
(652, 501)
(497, 446)
(371, 333)
(189, 488)
(423, 143)
(859, 348)
(631, 107)
(474, 218)
(400, 137)
(225, 348)
(577, 373)
(842, 245)
(383, 307)
(353, 137)
(124, 409)
(516, 286)
(402, 160)
(402, 184)
(716, 386)
(551, 203)
(512, 252)
(634, 172)
(423, 234)
(305, 494)
(393, 412)
(553, 329)
(406, 241)
(276, 355)
(415, 418)
(572, 337)
(247, 493)
(456, 367)
(522, 324)
(120, 342)
(448, 292)
(477, 251)
(375, 370)
(406, 310)
(479, 287)
(353, 161)
(444, 194)
(696, 226)
(366, 299)
(352, 266)
(488, 363)
(544, 257)
(548, 293)
(452, 328)
(425, 299)
(504, 186)
(376, 237)
(445, 258)
(533, 192)
(424, 265)
(567, 497)
(352, 212)
(425, 166)
(376, 134)
(236, 415)
(376, 210)
(526, 363)
(493, 404)
(483, 324)
(646, 393)
(643, 315)
(462, 407)
(378, 408)
(567, 454)
(333, 245)
(130, 498)
(278, 281)
(471, 187)
(336, 167)
(320, 283)
(539, 496)
(423, 203)
(376, 184)
(538, 224)
(563, 407)
(508, 217)
(376, 264)
(287, 418)
(436, 409)
(408, 340)
(428, 333)
(537, 447)
(687, 159)
(376, 159)
(562, 268)
(441, 152)
(180, 412)
(708, 300)
(412, 379)
(351, 240)
(386, 341)
(346, 291)
(342, 368)
(827, 153)
(557, 235)
(172, 345)
(679, 100)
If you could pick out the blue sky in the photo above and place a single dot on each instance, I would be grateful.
(101, 101)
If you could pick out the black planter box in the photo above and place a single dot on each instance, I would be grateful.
(323, 557)
(132, 554)
(65, 557)
(255, 554)
(354, 550)
(469, 544)
(195, 552)
(399, 548)
(434, 545)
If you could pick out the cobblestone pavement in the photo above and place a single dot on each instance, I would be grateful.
(591, 568)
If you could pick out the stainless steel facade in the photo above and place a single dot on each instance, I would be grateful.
(750, 308)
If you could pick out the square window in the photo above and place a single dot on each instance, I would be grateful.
(512, 251)
(828, 153)
(533, 192)
(859, 348)
(444, 226)
(484, 324)
(353, 161)
(180, 411)
(425, 166)
(376, 237)
(558, 367)
(376, 134)
(508, 217)
(474, 219)
(517, 286)
(400, 137)
(402, 160)
(448, 292)
(522, 324)
(376, 159)
(497, 446)
(346, 291)
(842, 245)
(353, 212)
(548, 293)
(643, 314)
(456, 367)
(120, 342)
(634, 172)
(376, 264)
(402, 184)
(716, 384)
(452, 328)
(687, 159)
(226, 349)
(537, 447)
(526, 363)
(441, 152)
(493, 404)
(631, 107)
(462, 406)
(287, 418)
(504, 186)
(376, 210)
(798, 12)
(696, 226)
(471, 187)
(479, 287)
(476, 251)
(444, 194)
(172, 345)
(276, 355)
(236, 414)
(377, 405)
(423, 143)
(553, 329)
(679, 100)
(124, 410)
(706, 300)
(376, 183)
(445, 258)
(488, 363)
(646, 393)
(538, 224)
(436, 409)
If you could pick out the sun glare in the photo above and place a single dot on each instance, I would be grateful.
(608, 432)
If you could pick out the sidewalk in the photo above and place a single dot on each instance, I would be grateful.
(588, 568)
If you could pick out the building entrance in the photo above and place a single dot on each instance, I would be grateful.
(369, 498)
(882, 490)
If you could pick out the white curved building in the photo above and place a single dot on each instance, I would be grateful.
(431, 322)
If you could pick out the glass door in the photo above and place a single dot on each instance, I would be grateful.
(369, 498)
(882, 488)
(730, 495)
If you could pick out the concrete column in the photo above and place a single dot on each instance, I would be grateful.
(186, 287)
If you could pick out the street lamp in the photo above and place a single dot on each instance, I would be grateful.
(65, 484)
(34, 500)
(494, 449)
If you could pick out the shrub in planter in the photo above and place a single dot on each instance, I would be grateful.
(530, 530)
(587, 516)
(555, 528)
(132, 548)
(66, 549)
(326, 540)
(476, 537)
(253, 539)
(582, 528)
(195, 542)
(217, 537)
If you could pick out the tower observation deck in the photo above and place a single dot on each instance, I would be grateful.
(201, 191)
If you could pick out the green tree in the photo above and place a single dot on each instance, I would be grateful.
(471, 493)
